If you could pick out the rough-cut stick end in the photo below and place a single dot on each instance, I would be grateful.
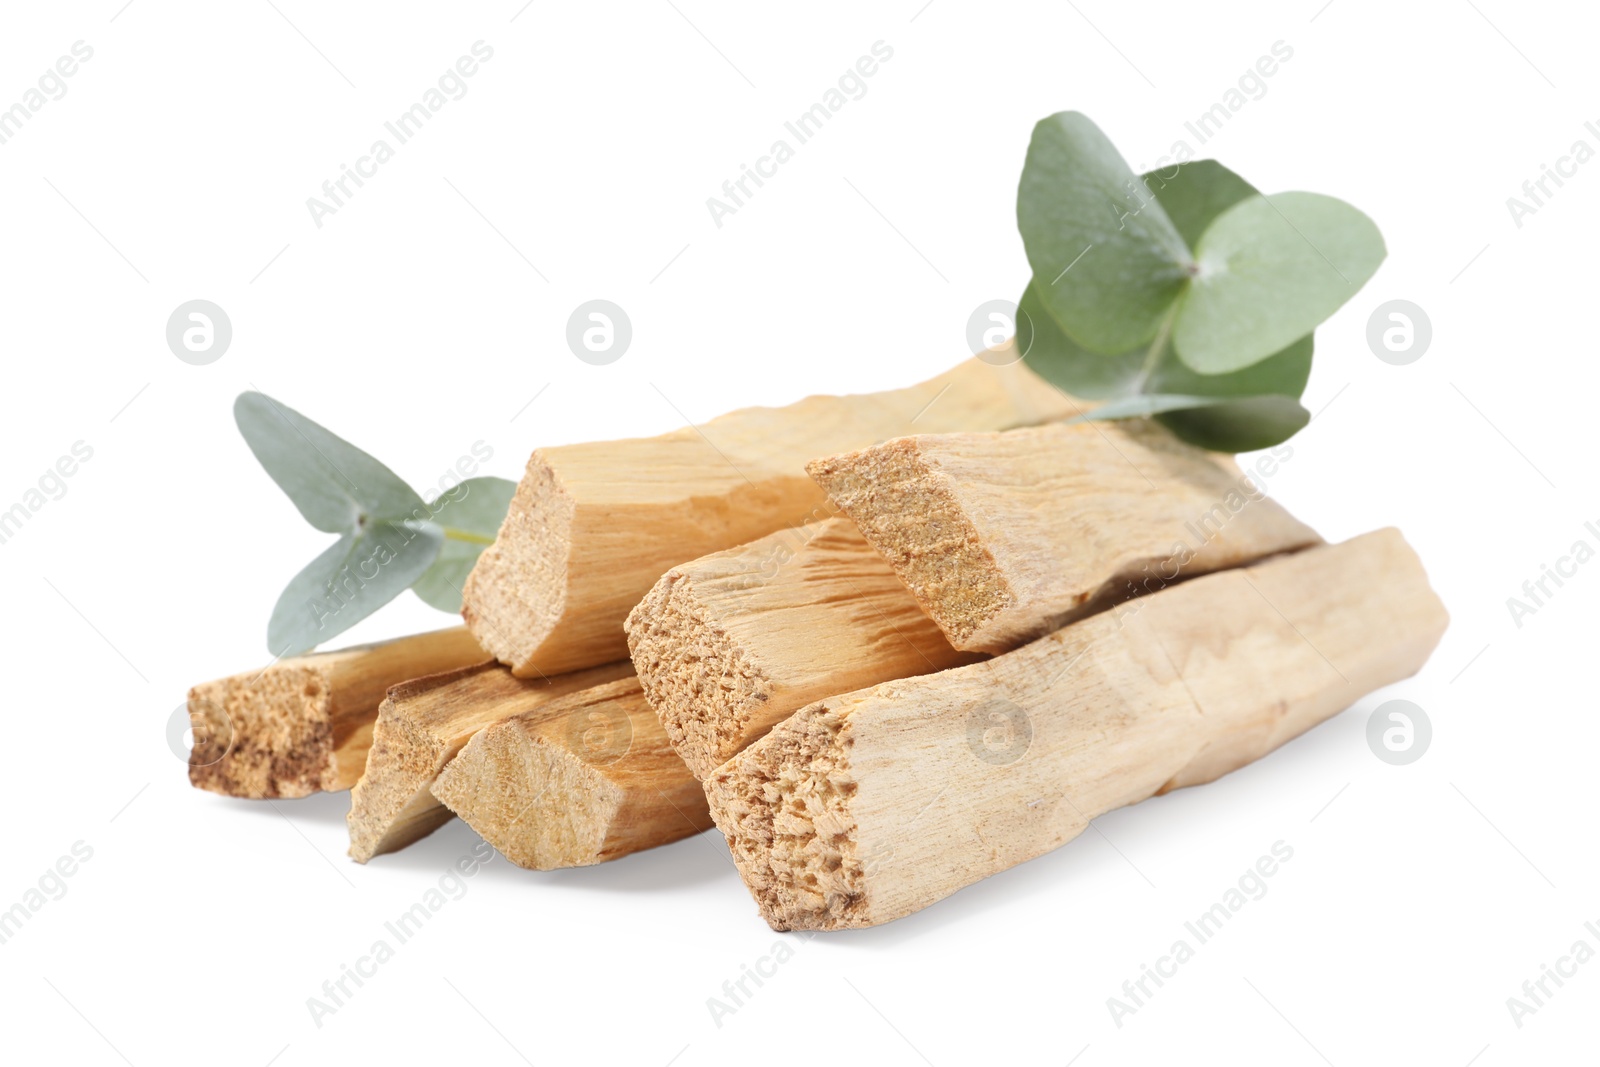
(517, 590)
(263, 735)
(700, 684)
(540, 805)
(907, 510)
(784, 806)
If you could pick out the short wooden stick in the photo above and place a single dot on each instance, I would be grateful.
(1004, 537)
(421, 725)
(730, 645)
(579, 780)
(592, 526)
(304, 725)
(864, 808)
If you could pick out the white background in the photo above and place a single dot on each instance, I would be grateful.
(416, 322)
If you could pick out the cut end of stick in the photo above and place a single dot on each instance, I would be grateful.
(912, 513)
(784, 806)
(516, 594)
(581, 780)
(699, 681)
(266, 734)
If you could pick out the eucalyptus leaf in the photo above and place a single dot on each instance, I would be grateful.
(1239, 425)
(1060, 360)
(1108, 262)
(357, 575)
(334, 484)
(469, 517)
(1194, 193)
(1271, 269)
(1283, 373)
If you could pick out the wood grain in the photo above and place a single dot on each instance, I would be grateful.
(1003, 537)
(303, 725)
(592, 526)
(421, 725)
(580, 780)
(864, 808)
(731, 644)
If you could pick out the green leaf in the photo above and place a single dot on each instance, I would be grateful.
(1283, 373)
(356, 576)
(1239, 425)
(334, 484)
(1060, 360)
(469, 515)
(1271, 269)
(1192, 194)
(1107, 260)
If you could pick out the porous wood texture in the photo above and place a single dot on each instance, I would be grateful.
(1003, 537)
(863, 808)
(303, 725)
(733, 643)
(592, 526)
(580, 780)
(421, 725)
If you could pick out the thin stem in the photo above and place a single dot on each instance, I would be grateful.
(453, 534)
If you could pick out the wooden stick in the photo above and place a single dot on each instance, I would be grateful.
(593, 526)
(730, 645)
(1004, 537)
(421, 726)
(303, 725)
(580, 780)
(866, 807)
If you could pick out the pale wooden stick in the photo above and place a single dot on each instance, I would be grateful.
(303, 725)
(728, 646)
(580, 780)
(592, 526)
(1003, 537)
(421, 725)
(866, 807)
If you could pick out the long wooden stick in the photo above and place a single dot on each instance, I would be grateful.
(1004, 537)
(421, 725)
(593, 526)
(582, 779)
(730, 645)
(303, 725)
(866, 807)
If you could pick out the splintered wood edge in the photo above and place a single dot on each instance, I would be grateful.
(784, 806)
(392, 806)
(265, 734)
(908, 511)
(673, 644)
(516, 594)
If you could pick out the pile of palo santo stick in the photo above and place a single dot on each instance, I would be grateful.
(889, 644)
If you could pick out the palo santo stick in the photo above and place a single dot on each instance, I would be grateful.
(303, 725)
(728, 646)
(593, 526)
(866, 807)
(421, 725)
(1003, 537)
(580, 780)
